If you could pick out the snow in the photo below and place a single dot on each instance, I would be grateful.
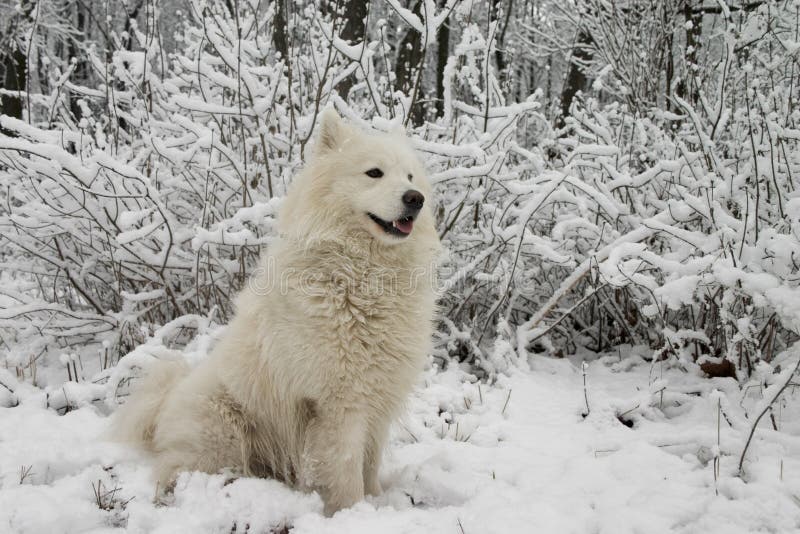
(512, 456)
(141, 180)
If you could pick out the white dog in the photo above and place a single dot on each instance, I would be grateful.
(328, 337)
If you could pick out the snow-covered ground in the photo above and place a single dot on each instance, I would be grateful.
(516, 456)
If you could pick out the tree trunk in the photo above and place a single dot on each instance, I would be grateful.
(442, 54)
(499, 51)
(669, 63)
(353, 31)
(14, 66)
(13, 80)
(576, 79)
(81, 73)
(279, 27)
(409, 64)
(693, 24)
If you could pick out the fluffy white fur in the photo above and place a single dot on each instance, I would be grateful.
(326, 342)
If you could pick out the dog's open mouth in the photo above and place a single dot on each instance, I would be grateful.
(400, 227)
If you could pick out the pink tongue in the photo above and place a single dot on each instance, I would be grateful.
(404, 226)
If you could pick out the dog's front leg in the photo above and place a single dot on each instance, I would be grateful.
(335, 443)
(373, 451)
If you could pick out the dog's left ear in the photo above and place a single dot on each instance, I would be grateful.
(332, 131)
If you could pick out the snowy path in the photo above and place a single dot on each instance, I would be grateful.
(520, 462)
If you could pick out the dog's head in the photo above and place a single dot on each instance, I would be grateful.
(366, 181)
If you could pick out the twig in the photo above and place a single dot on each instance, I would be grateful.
(567, 313)
(505, 405)
(585, 366)
(717, 455)
(763, 412)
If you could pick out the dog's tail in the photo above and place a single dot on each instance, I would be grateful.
(135, 421)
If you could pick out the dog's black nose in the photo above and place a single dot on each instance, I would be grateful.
(413, 199)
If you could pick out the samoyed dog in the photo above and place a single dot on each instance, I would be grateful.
(327, 340)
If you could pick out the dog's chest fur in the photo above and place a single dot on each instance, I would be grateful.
(370, 318)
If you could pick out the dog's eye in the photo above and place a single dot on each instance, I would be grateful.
(374, 173)
(410, 177)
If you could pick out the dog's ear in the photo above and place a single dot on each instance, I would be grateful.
(332, 131)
